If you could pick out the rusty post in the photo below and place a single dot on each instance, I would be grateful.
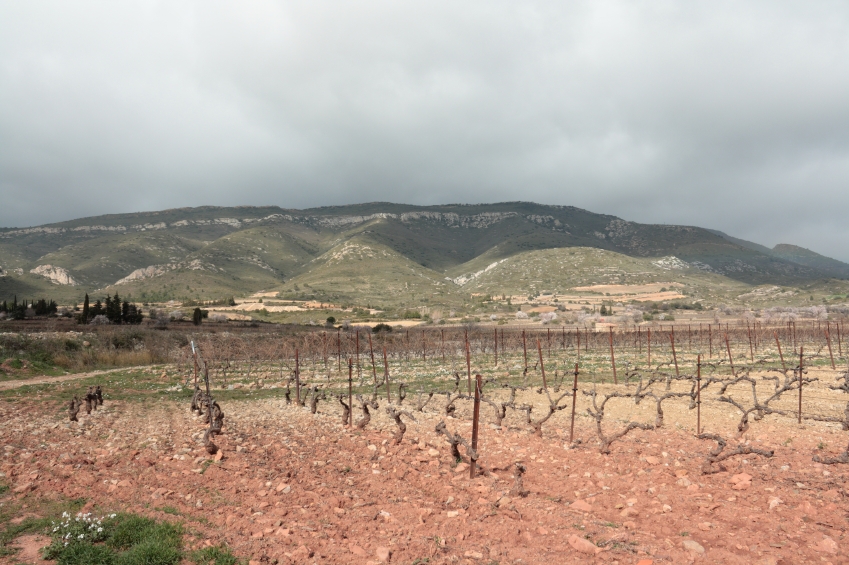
(298, 378)
(710, 341)
(612, 358)
(578, 335)
(475, 419)
(828, 341)
(780, 354)
(795, 343)
(801, 359)
(424, 348)
(574, 400)
(730, 360)
(549, 342)
(542, 366)
(386, 375)
(698, 394)
(674, 356)
(468, 365)
(373, 365)
(350, 393)
(525, 349)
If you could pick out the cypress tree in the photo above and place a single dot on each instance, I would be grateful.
(197, 316)
(84, 315)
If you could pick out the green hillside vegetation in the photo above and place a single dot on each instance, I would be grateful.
(361, 272)
(555, 271)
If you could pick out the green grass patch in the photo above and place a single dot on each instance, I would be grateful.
(216, 555)
(122, 539)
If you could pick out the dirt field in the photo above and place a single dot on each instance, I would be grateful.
(292, 487)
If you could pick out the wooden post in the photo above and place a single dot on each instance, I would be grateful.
(468, 365)
(208, 396)
(496, 347)
(339, 349)
(542, 366)
(424, 348)
(574, 399)
(195, 358)
(780, 354)
(386, 375)
(801, 359)
(373, 366)
(502, 342)
(612, 358)
(828, 341)
(359, 368)
(298, 378)
(549, 342)
(525, 349)
(443, 345)
(698, 394)
(839, 345)
(674, 356)
(648, 345)
(475, 419)
(751, 351)
(350, 393)
(730, 360)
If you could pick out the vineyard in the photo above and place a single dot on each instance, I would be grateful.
(530, 376)
(464, 445)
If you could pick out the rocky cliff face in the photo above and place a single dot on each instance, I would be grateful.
(56, 275)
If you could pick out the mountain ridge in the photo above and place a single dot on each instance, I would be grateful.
(210, 250)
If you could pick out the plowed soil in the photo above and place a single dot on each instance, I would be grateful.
(293, 487)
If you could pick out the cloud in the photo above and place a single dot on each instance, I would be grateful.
(724, 115)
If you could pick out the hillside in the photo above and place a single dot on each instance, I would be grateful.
(392, 254)
(802, 256)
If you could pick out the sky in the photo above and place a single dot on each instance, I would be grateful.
(724, 114)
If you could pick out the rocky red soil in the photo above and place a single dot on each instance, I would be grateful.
(292, 487)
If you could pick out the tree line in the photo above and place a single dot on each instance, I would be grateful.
(19, 311)
(112, 309)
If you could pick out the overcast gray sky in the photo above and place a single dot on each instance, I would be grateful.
(729, 115)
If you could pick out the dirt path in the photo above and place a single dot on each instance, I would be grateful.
(6, 385)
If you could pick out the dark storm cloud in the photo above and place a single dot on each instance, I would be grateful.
(727, 115)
